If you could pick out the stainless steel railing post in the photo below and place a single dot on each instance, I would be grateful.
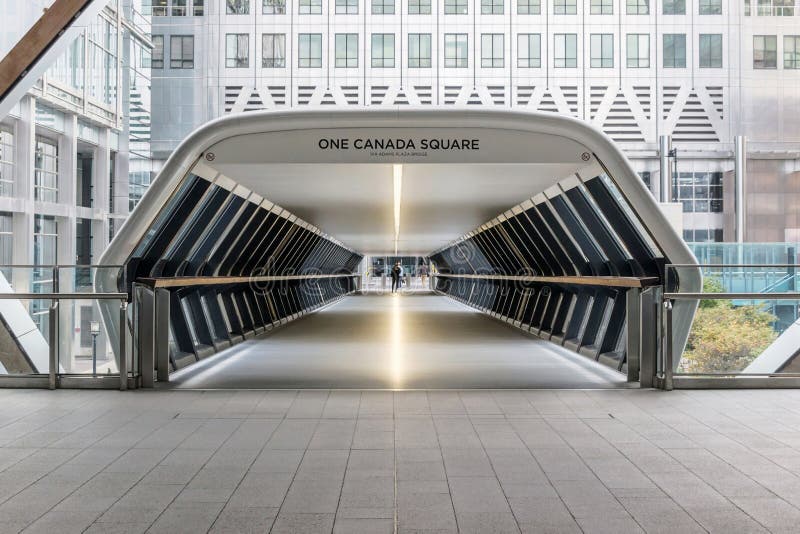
(53, 348)
(668, 365)
(123, 346)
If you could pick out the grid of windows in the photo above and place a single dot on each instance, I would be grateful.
(602, 7)
(602, 50)
(529, 50)
(6, 243)
(703, 235)
(346, 7)
(346, 50)
(274, 7)
(382, 7)
(674, 7)
(566, 50)
(765, 52)
(699, 192)
(173, 8)
(791, 52)
(310, 7)
(565, 7)
(674, 51)
(492, 7)
(529, 7)
(637, 7)
(455, 50)
(638, 50)
(711, 7)
(6, 163)
(46, 170)
(492, 50)
(273, 50)
(775, 8)
(181, 52)
(383, 50)
(710, 50)
(237, 50)
(455, 7)
(309, 50)
(419, 7)
(419, 50)
(237, 7)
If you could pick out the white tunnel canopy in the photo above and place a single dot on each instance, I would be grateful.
(410, 181)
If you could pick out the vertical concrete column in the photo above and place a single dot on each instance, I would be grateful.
(740, 162)
(664, 168)
(22, 219)
(67, 172)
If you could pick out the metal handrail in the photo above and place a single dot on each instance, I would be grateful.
(64, 296)
(732, 296)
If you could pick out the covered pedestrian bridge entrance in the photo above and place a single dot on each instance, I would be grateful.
(520, 221)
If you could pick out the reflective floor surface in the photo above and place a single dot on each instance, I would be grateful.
(397, 341)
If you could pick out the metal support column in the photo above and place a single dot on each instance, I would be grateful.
(123, 346)
(668, 357)
(145, 320)
(664, 169)
(161, 334)
(53, 347)
(650, 340)
(740, 161)
(633, 342)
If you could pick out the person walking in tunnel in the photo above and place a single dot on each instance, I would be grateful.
(422, 271)
(397, 273)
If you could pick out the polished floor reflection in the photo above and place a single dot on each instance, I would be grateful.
(400, 341)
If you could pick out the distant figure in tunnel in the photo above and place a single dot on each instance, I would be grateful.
(397, 273)
(423, 275)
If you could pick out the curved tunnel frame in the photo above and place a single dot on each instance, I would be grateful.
(613, 162)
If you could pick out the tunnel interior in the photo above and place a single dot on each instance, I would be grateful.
(533, 244)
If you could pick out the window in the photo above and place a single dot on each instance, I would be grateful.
(157, 59)
(310, 7)
(383, 50)
(181, 52)
(566, 50)
(346, 50)
(198, 8)
(637, 7)
(602, 50)
(419, 7)
(237, 7)
(159, 8)
(383, 7)
(6, 243)
(777, 8)
(699, 192)
(674, 7)
(602, 7)
(765, 52)
(711, 7)
(674, 50)
(273, 50)
(310, 50)
(529, 50)
(178, 8)
(46, 170)
(455, 50)
(346, 7)
(237, 50)
(529, 7)
(6, 162)
(274, 7)
(491, 7)
(419, 50)
(710, 50)
(492, 50)
(791, 52)
(565, 7)
(455, 7)
(638, 51)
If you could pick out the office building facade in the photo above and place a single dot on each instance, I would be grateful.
(699, 71)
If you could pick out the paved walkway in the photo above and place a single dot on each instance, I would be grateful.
(347, 461)
(397, 341)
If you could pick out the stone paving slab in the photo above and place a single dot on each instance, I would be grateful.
(400, 461)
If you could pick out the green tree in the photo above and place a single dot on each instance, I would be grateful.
(724, 337)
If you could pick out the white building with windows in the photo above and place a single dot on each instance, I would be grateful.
(68, 151)
(699, 71)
